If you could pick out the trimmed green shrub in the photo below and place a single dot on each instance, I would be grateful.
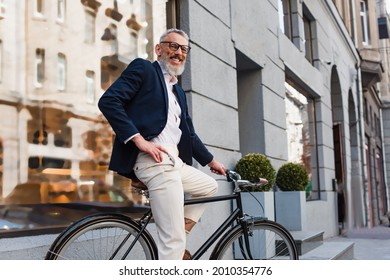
(292, 177)
(253, 166)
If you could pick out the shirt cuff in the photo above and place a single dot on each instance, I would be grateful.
(131, 137)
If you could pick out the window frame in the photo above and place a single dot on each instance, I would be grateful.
(61, 10)
(364, 22)
(285, 18)
(39, 67)
(1, 60)
(2, 9)
(61, 72)
(89, 27)
(90, 80)
(39, 8)
(311, 131)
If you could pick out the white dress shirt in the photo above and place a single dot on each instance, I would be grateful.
(171, 133)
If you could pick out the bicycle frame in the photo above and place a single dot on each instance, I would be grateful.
(236, 215)
(237, 236)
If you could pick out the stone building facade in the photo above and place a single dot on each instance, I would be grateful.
(368, 202)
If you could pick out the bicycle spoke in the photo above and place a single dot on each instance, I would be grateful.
(103, 238)
(267, 241)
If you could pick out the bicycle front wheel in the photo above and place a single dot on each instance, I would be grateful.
(267, 240)
(103, 237)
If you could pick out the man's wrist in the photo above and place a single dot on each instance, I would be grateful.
(131, 138)
(211, 163)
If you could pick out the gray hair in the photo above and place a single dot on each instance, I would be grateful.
(174, 30)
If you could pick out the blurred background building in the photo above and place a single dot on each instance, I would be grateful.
(300, 81)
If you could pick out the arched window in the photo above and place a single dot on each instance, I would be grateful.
(61, 72)
(39, 67)
(90, 86)
(61, 4)
(39, 8)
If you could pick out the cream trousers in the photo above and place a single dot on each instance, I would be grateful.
(167, 182)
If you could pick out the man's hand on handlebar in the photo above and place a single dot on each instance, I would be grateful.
(217, 168)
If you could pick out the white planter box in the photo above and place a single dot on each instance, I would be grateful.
(290, 209)
(259, 204)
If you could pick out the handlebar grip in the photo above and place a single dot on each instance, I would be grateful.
(261, 181)
(228, 178)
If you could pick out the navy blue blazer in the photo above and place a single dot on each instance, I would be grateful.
(137, 102)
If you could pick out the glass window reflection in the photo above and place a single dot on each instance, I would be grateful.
(55, 146)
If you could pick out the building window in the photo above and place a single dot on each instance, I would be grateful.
(370, 115)
(39, 8)
(365, 111)
(1, 166)
(308, 39)
(49, 126)
(61, 68)
(90, 86)
(309, 29)
(89, 27)
(110, 70)
(378, 127)
(39, 67)
(2, 9)
(1, 61)
(364, 22)
(61, 10)
(301, 133)
(285, 21)
(110, 39)
(133, 47)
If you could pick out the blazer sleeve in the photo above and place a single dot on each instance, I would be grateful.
(114, 101)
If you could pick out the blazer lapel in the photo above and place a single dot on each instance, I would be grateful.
(179, 94)
(162, 82)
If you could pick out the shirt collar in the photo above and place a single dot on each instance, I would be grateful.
(171, 79)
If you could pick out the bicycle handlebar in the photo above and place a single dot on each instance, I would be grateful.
(232, 176)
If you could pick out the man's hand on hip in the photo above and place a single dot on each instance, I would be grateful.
(154, 150)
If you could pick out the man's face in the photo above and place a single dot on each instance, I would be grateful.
(172, 60)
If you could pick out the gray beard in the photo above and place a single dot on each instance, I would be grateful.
(172, 70)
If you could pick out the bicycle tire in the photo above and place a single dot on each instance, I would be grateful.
(98, 236)
(268, 241)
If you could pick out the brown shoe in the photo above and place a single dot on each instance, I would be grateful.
(189, 224)
(187, 255)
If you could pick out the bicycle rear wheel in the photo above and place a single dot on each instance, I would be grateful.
(267, 241)
(103, 237)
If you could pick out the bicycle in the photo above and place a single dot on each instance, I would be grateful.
(117, 236)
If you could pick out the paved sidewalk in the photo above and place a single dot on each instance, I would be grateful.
(369, 243)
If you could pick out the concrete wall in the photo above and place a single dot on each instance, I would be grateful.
(212, 81)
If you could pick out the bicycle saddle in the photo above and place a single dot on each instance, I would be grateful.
(138, 184)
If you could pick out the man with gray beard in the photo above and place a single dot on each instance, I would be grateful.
(156, 141)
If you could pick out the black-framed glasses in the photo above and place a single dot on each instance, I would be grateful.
(175, 46)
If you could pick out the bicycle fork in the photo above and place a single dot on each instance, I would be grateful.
(244, 245)
(144, 221)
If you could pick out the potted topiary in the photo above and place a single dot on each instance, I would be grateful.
(292, 177)
(257, 201)
(253, 166)
(290, 202)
